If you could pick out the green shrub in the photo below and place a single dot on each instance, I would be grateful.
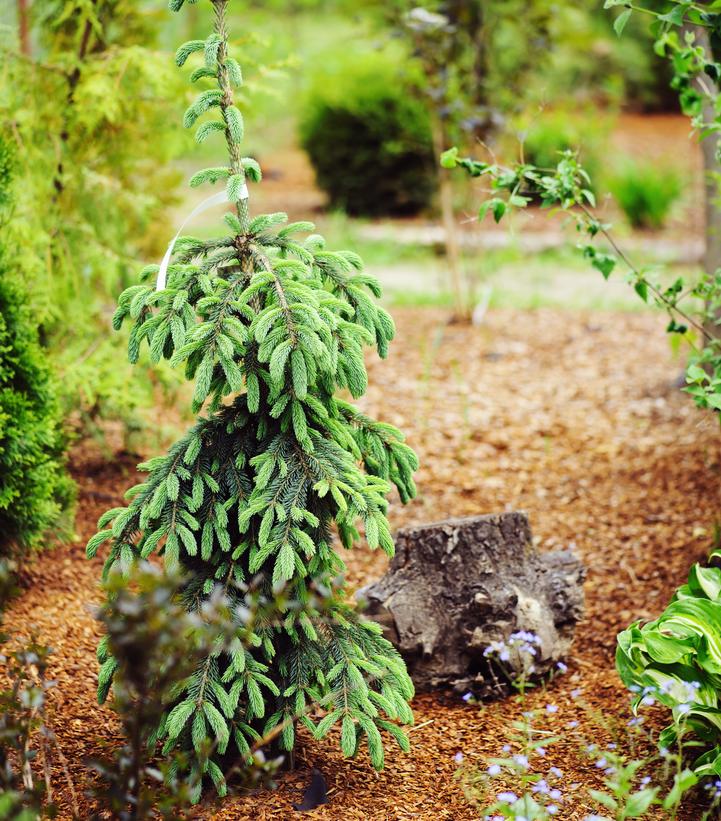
(255, 490)
(557, 131)
(645, 192)
(369, 139)
(34, 489)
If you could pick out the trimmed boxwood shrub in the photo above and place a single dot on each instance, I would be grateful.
(34, 488)
(369, 139)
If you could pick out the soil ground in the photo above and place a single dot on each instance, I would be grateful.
(572, 418)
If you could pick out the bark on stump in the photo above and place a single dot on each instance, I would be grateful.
(456, 586)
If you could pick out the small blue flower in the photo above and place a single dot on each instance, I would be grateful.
(562, 667)
(458, 758)
(494, 769)
(551, 708)
(467, 697)
(521, 760)
(551, 809)
(556, 772)
(507, 797)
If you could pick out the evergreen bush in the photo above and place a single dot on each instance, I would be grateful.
(645, 192)
(269, 327)
(554, 132)
(369, 139)
(34, 489)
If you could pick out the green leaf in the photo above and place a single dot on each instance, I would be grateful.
(234, 121)
(234, 72)
(284, 564)
(348, 737)
(236, 188)
(211, 175)
(641, 288)
(252, 169)
(638, 803)
(619, 24)
(299, 373)
(604, 799)
(92, 547)
(449, 159)
(208, 128)
(682, 783)
(217, 724)
(178, 717)
(605, 263)
(182, 54)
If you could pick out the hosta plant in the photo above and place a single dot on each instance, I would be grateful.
(676, 660)
(269, 326)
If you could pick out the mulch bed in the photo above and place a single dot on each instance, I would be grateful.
(574, 419)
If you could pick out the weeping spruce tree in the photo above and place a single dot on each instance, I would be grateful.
(269, 326)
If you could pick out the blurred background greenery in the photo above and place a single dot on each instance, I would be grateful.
(342, 107)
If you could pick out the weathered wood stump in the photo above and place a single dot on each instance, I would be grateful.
(456, 586)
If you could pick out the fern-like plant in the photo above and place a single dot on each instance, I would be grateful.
(269, 327)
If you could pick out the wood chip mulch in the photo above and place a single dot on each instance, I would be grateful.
(575, 419)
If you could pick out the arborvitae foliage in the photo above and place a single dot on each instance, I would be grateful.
(84, 112)
(257, 487)
(34, 489)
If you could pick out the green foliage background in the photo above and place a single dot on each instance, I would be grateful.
(89, 203)
(35, 492)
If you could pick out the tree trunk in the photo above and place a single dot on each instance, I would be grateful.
(461, 307)
(24, 27)
(455, 587)
(712, 176)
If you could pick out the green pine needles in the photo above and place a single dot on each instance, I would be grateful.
(269, 327)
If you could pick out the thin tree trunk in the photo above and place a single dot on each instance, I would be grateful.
(24, 27)
(73, 80)
(450, 229)
(712, 176)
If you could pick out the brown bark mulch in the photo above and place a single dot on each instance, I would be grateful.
(574, 419)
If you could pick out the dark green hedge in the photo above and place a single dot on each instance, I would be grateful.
(34, 488)
(369, 139)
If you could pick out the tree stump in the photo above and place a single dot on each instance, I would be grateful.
(456, 586)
